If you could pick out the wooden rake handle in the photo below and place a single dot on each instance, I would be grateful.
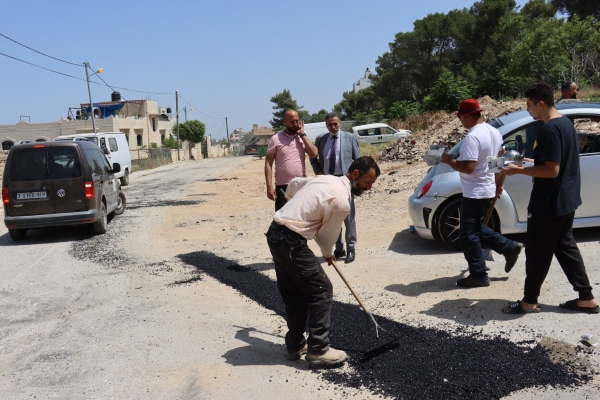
(363, 305)
(491, 209)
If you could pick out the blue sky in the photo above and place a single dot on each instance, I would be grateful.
(226, 58)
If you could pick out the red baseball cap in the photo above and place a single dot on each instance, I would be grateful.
(469, 106)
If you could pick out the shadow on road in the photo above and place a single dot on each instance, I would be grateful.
(480, 311)
(405, 242)
(50, 235)
(259, 351)
(437, 285)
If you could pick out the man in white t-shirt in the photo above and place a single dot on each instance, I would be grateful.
(479, 189)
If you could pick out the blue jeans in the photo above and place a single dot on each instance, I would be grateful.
(473, 234)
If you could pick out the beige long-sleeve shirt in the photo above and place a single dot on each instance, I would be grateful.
(317, 209)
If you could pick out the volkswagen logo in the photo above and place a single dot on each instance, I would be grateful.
(61, 193)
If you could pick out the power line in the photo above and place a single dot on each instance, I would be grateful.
(44, 54)
(191, 105)
(47, 69)
(81, 79)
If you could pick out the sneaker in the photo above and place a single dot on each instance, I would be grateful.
(471, 281)
(296, 355)
(511, 256)
(330, 358)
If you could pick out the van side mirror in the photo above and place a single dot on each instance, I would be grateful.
(105, 150)
(116, 168)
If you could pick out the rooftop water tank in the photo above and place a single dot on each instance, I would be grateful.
(115, 96)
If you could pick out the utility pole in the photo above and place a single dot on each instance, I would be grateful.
(177, 119)
(227, 127)
(185, 112)
(87, 75)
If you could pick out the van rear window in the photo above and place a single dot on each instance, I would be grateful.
(28, 165)
(33, 165)
(65, 163)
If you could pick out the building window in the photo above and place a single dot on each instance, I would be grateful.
(7, 144)
(162, 139)
(153, 124)
(163, 135)
(140, 141)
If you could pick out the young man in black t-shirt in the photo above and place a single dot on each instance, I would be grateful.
(554, 198)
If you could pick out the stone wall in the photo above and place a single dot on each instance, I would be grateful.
(149, 129)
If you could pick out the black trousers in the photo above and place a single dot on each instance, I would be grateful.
(280, 199)
(547, 237)
(305, 290)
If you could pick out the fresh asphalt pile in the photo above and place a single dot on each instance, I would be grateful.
(427, 363)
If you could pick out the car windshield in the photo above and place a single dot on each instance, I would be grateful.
(93, 139)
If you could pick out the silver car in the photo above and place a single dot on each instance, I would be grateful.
(434, 207)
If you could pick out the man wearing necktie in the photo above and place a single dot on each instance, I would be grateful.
(337, 150)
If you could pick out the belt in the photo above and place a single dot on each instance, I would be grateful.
(282, 228)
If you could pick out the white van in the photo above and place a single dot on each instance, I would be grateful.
(315, 129)
(378, 133)
(114, 145)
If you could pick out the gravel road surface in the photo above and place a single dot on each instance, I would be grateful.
(155, 308)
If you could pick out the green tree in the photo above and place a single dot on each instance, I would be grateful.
(535, 9)
(403, 109)
(170, 142)
(284, 101)
(581, 8)
(363, 101)
(192, 131)
(318, 117)
(447, 93)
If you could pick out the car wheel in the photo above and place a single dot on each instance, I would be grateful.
(449, 224)
(101, 225)
(121, 204)
(125, 178)
(17, 234)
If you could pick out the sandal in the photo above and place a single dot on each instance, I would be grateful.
(572, 305)
(516, 308)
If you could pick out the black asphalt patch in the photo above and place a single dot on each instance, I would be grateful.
(163, 203)
(186, 281)
(220, 179)
(428, 363)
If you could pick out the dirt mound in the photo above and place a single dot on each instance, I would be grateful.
(440, 128)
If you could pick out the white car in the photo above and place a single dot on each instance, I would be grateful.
(434, 208)
(378, 133)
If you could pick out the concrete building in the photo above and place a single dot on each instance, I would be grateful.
(363, 82)
(142, 122)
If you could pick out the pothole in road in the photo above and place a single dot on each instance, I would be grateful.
(428, 363)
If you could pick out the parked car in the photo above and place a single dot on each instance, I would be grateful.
(59, 183)
(115, 147)
(434, 207)
(378, 133)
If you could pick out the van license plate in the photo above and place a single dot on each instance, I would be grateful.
(31, 195)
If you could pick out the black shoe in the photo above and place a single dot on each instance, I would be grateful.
(339, 254)
(350, 257)
(511, 257)
(471, 281)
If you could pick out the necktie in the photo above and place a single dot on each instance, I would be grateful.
(332, 155)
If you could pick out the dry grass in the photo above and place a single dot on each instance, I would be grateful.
(419, 122)
(372, 150)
